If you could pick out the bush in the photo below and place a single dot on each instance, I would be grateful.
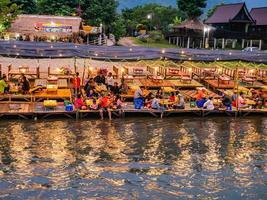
(155, 36)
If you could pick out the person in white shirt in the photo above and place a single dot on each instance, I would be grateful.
(110, 80)
(209, 104)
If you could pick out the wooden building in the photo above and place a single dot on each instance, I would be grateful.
(44, 26)
(233, 24)
(260, 26)
(189, 34)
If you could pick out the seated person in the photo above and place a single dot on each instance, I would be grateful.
(172, 98)
(79, 103)
(181, 102)
(148, 100)
(91, 94)
(200, 94)
(105, 104)
(124, 88)
(115, 89)
(200, 103)
(156, 103)
(227, 102)
(94, 106)
(3, 85)
(159, 93)
(239, 101)
(118, 103)
(208, 105)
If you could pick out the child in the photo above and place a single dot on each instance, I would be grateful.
(94, 106)
(79, 104)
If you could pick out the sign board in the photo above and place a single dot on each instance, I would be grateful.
(52, 27)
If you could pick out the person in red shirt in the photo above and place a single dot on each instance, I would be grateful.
(76, 84)
(105, 104)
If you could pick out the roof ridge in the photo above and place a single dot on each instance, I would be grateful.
(259, 8)
(230, 4)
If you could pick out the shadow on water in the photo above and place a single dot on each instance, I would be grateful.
(144, 158)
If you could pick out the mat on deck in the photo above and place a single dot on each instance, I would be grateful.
(61, 93)
(221, 85)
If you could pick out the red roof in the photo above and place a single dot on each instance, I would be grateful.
(259, 15)
(225, 13)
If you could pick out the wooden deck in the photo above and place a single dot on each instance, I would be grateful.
(38, 111)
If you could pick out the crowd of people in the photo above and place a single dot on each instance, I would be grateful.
(22, 85)
(103, 93)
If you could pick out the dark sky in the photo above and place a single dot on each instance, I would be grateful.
(250, 3)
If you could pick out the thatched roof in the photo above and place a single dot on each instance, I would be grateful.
(193, 24)
(45, 25)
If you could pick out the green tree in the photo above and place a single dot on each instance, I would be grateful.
(57, 7)
(161, 16)
(118, 27)
(26, 6)
(8, 12)
(192, 8)
(95, 12)
(212, 10)
(177, 20)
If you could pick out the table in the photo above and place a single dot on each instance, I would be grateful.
(224, 79)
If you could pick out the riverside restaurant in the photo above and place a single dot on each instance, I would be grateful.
(57, 79)
(178, 128)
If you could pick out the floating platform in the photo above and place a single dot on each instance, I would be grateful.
(37, 110)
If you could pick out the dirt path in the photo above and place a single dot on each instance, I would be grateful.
(127, 42)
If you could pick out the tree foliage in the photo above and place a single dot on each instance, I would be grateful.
(161, 16)
(26, 6)
(57, 7)
(8, 12)
(95, 12)
(118, 27)
(192, 8)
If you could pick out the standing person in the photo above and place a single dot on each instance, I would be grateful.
(76, 84)
(110, 81)
(139, 98)
(3, 84)
(24, 84)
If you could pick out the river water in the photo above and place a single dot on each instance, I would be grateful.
(134, 158)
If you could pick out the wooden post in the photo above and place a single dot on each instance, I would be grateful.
(223, 43)
(243, 43)
(233, 44)
(188, 42)
(251, 43)
(177, 41)
(260, 44)
(75, 66)
(169, 40)
(215, 43)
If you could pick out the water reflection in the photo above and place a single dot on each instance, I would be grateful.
(134, 159)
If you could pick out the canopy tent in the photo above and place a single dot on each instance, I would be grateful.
(69, 50)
